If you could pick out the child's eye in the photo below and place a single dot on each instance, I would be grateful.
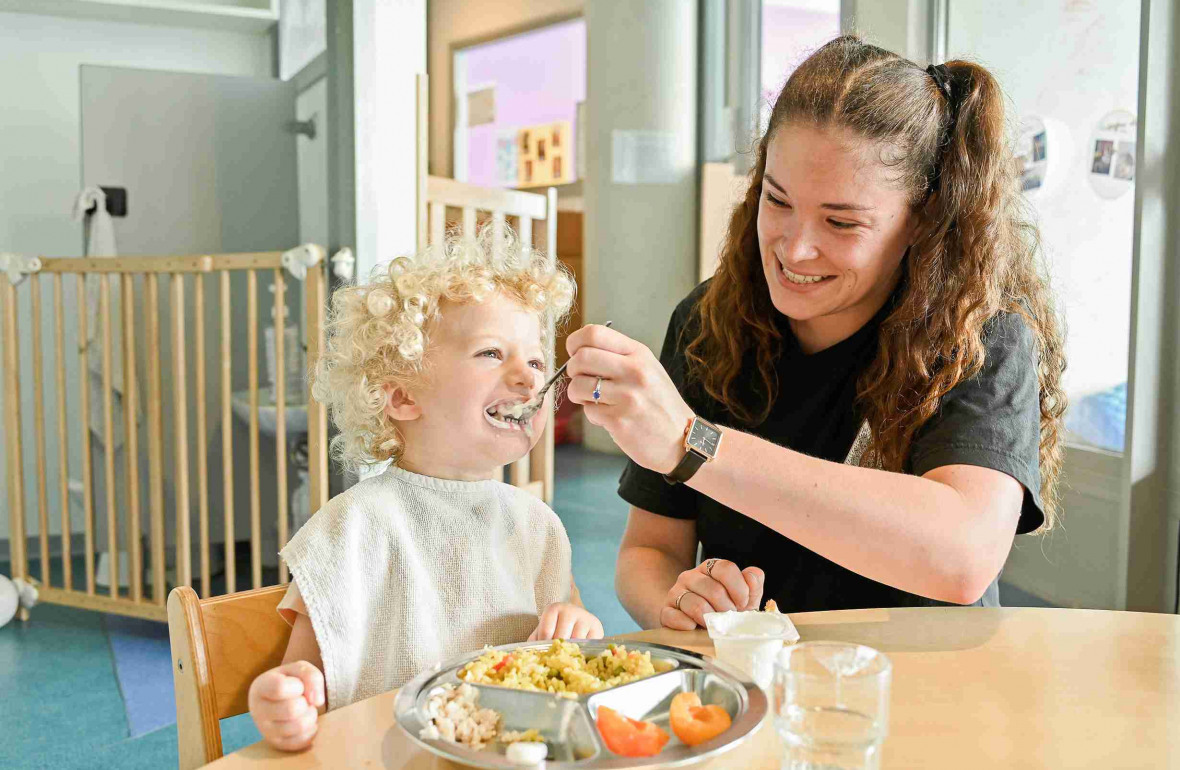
(490, 353)
(537, 364)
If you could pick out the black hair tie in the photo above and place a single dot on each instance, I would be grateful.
(942, 77)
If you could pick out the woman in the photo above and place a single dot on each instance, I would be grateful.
(878, 353)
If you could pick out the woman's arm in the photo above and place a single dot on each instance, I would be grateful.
(944, 535)
(656, 566)
(654, 551)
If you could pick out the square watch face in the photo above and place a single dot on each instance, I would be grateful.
(703, 438)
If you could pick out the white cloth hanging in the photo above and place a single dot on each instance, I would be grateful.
(100, 242)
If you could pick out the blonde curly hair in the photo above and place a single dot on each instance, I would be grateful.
(377, 334)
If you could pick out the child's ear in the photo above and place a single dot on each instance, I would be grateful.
(399, 404)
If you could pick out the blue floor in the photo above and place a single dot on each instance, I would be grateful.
(82, 689)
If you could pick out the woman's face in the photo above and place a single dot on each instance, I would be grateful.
(832, 231)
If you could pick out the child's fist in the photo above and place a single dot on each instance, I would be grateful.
(284, 703)
(567, 621)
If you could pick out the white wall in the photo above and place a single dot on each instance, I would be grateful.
(40, 145)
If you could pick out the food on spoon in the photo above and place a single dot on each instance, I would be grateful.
(455, 716)
(694, 723)
(630, 737)
(562, 669)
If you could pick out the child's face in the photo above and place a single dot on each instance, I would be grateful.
(481, 356)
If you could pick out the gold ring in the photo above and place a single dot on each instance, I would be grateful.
(709, 564)
(678, 598)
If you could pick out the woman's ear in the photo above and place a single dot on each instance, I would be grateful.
(399, 404)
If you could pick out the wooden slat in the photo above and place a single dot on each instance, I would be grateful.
(423, 143)
(281, 414)
(543, 454)
(155, 418)
(84, 404)
(202, 436)
(460, 195)
(184, 565)
(499, 222)
(525, 230)
(131, 447)
(63, 460)
(518, 472)
(227, 433)
(12, 428)
(252, 368)
(469, 222)
(108, 405)
(194, 264)
(101, 604)
(39, 428)
(317, 417)
(438, 222)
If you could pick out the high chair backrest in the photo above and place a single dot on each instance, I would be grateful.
(445, 202)
(219, 646)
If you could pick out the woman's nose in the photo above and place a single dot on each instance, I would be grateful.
(796, 245)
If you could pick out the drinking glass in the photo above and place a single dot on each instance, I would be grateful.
(831, 705)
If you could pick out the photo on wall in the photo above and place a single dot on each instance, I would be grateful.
(1103, 155)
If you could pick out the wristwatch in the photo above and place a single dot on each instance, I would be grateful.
(702, 439)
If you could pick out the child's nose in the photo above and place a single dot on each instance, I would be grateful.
(523, 377)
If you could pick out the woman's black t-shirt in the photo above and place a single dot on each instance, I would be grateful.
(991, 420)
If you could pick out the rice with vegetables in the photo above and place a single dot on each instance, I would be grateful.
(562, 669)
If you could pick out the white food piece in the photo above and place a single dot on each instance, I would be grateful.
(750, 641)
(527, 753)
(455, 716)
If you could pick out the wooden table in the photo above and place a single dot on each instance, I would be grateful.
(972, 688)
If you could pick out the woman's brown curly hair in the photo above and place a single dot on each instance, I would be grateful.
(976, 253)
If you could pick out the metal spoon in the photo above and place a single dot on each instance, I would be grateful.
(533, 405)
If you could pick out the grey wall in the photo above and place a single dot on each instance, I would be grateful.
(640, 239)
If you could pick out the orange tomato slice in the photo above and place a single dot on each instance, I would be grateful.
(694, 723)
(630, 737)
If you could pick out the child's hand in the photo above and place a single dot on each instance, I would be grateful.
(284, 703)
(567, 621)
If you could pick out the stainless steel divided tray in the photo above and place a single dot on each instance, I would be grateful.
(568, 724)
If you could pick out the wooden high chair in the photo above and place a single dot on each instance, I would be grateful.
(219, 646)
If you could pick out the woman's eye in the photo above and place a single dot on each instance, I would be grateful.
(836, 223)
(776, 202)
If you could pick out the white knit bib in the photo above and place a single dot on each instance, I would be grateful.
(403, 571)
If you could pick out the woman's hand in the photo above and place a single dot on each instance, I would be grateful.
(284, 704)
(561, 620)
(716, 585)
(638, 405)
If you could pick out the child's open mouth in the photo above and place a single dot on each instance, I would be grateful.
(506, 415)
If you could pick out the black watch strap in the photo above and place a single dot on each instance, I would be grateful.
(684, 470)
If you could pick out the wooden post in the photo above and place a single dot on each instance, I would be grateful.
(202, 435)
(252, 369)
(317, 417)
(227, 434)
(108, 424)
(184, 563)
(155, 419)
(84, 403)
(63, 464)
(131, 447)
(280, 311)
(39, 428)
(12, 426)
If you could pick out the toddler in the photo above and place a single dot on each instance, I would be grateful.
(435, 556)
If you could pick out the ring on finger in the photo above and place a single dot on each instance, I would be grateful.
(679, 598)
(597, 390)
(709, 564)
